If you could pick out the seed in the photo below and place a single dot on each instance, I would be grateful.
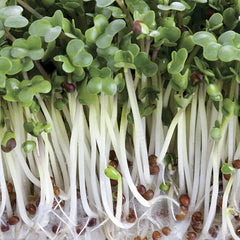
(112, 155)
(191, 236)
(92, 222)
(236, 164)
(152, 160)
(11, 144)
(213, 232)
(113, 182)
(183, 29)
(154, 170)
(55, 229)
(137, 29)
(197, 217)
(156, 235)
(13, 220)
(4, 228)
(141, 189)
(148, 195)
(31, 208)
(237, 217)
(227, 176)
(237, 231)
(166, 231)
(180, 217)
(137, 238)
(196, 228)
(80, 230)
(113, 163)
(131, 216)
(184, 200)
(115, 39)
(9, 187)
(56, 190)
(69, 87)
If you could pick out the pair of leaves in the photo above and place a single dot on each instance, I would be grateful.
(25, 90)
(32, 48)
(167, 34)
(103, 32)
(101, 81)
(125, 59)
(11, 17)
(77, 57)
(35, 129)
(176, 6)
(226, 49)
(48, 27)
(178, 61)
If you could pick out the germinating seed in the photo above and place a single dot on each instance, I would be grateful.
(13, 220)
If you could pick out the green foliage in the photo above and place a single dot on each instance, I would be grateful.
(28, 146)
(25, 90)
(11, 17)
(48, 27)
(112, 173)
(178, 61)
(227, 169)
(176, 6)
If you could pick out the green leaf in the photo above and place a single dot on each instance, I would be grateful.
(16, 21)
(104, 3)
(124, 59)
(181, 101)
(84, 96)
(210, 51)
(5, 65)
(137, 5)
(203, 38)
(112, 173)
(228, 53)
(40, 27)
(144, 65)
(177, 6)
(26, 95)
(215, 21)
(227, 37)
(52, 34)
(179, 82)
(227, 169)
(178, 61)
(100, 24)
(216, 133)
(116, 12)
(78, 55)
(28, 146)
(229, 18)
(214, 92)
(12, 89)
(106, 85)
(105, 39)
(67, 66)
(228, 107)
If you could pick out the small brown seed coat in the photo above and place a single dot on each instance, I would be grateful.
(166, 231)
(156, 235)
(184, 200)
(13, 220)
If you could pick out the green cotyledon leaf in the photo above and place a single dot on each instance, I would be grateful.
(178, 61)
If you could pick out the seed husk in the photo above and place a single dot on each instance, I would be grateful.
(156, 235)
(184, 200)
(166, 231)
(13, 220)
(31, 208)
